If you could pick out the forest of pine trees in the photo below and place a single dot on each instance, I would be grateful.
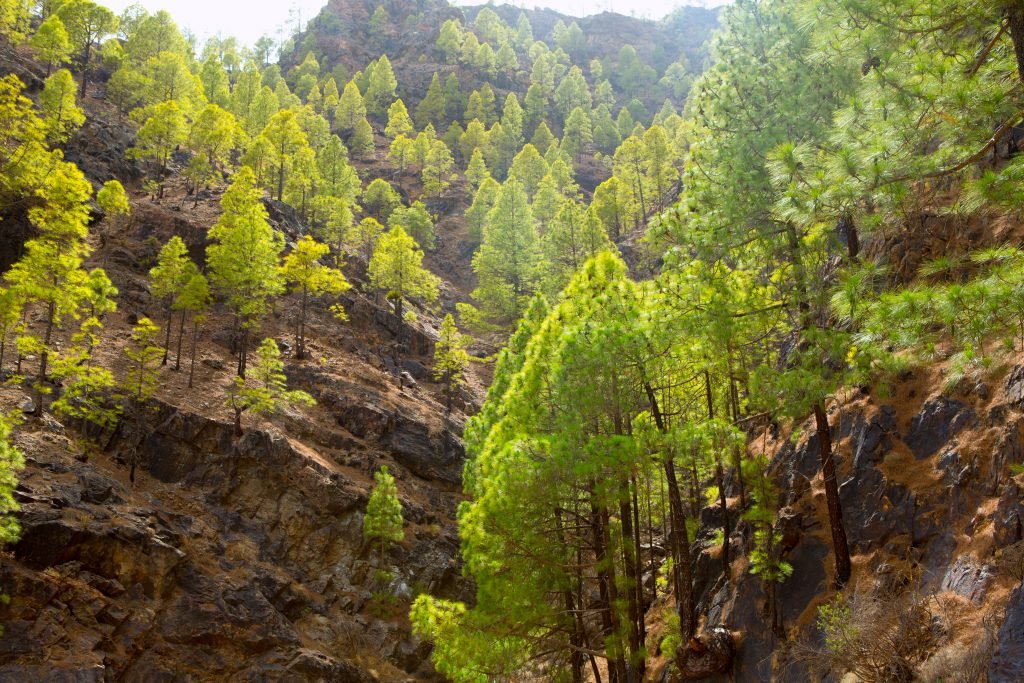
(673, 261)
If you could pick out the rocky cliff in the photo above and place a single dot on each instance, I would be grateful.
(230, 558)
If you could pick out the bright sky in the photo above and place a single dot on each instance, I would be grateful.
(249, 19)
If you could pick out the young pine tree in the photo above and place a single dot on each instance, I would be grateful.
(383, 522)
(396, 267)
(194, 300)
(309, 277)
(450, 360)
(142, 380)
(167, 279)
(243, 258)
(265, 390)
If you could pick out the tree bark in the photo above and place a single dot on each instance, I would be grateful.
(840, 548)
(679, 542)
(195, 338)
(167, 337)
(181, 335)
(1015, 19)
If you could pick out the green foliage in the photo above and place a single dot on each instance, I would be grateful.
(51, 42)
(507, 262)
(450, 358)
(11, 463)
(142, 379)
(396, 268)
(383, 522)
(113, 199)
(243, 256)
(416, 221)
(264, 390)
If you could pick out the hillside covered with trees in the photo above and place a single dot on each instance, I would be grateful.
(481, 344)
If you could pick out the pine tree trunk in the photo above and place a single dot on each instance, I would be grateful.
(85, 69)
(44, 358)
(639, 587)
(719, 480)
(195, 339)
(1015, 17)
(576, 637)
(167, 337)
(840, 548)
(679, 541)
(181, 335)
(300, 329)
(629, 564)
(243, 351)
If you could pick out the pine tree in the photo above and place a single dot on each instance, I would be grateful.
(362, 144)
(450, 360)
(571, 239)
(49, 273)
(351, 107)
(416, 221)
(214, 135)
(381, 199)
(454, 98)
(265, 390)
(383, 522)
(431, 109)
(361, 238)
(483, 202)
(474, 138)
(578, 134)
(142, 379)
(449, 40)
(57, 102)
(476, 170)
(379, 21)
(572, 93)
(399, 122)
(167, 280)
(528, 167)
(287, 140)
(113, 201)
(85, 386)
(87, 24)
(159, 136)
(437, 172)
(193, 300)
(51, 43)
(381, 91)
(396, 268)
(507, 263)
(400, 152)
(243, 258)
(308, 276)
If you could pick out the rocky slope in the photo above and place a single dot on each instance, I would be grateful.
(935, 522)
(231, 559)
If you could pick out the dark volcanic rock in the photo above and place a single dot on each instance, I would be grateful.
(938, 422)
(807, 580)
(1007, 664)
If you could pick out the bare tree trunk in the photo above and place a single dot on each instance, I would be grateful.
(840, 548)
(195, 338)
(181, 335)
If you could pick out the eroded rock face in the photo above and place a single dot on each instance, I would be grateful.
(938, 422)
(243, 561)
(1008, 659)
